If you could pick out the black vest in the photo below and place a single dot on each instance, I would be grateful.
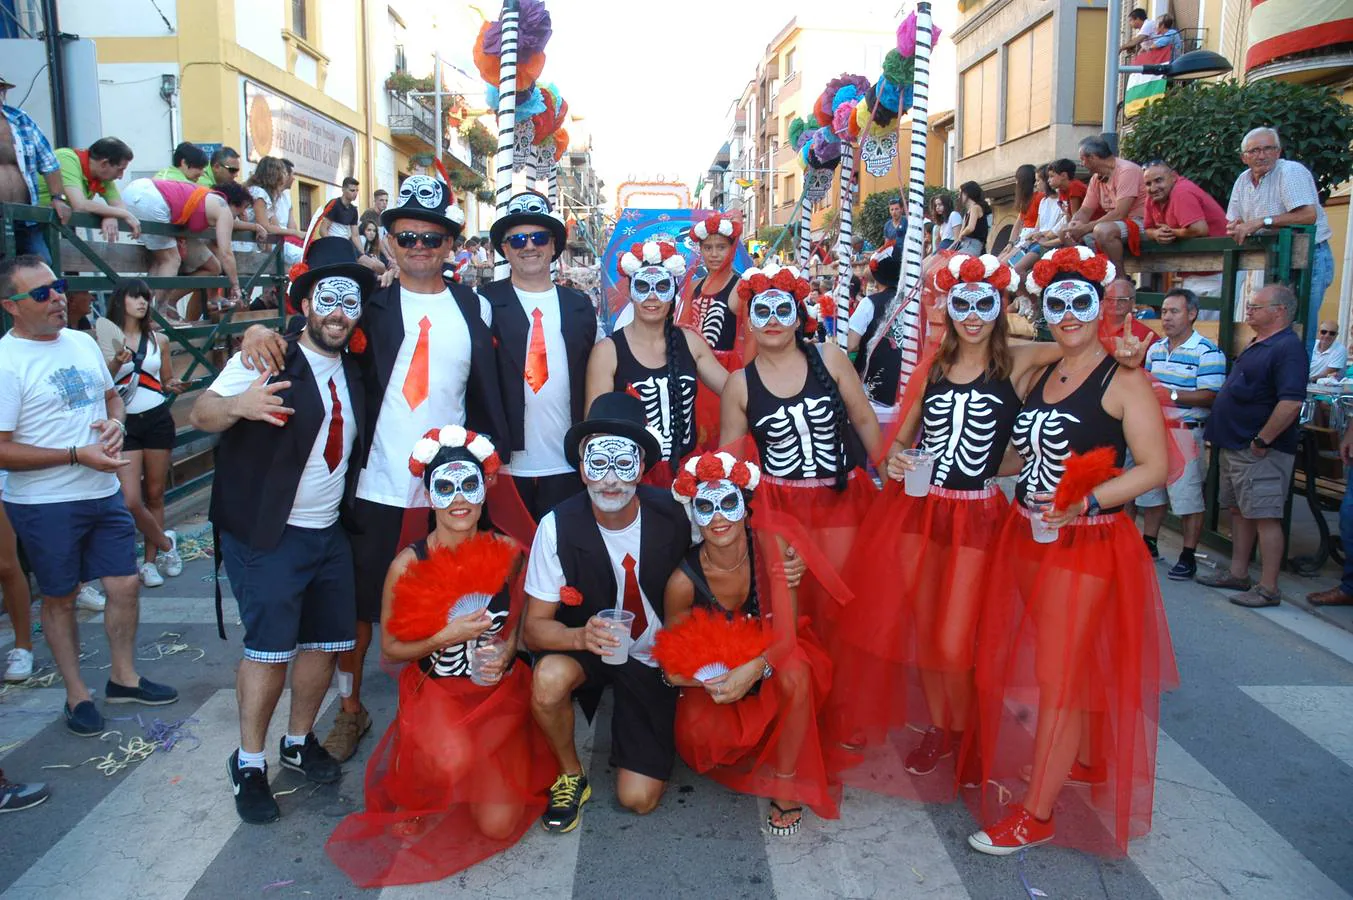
(383, 322)
(665, 535)
(881, 371)
(512, 331)
(259, 466)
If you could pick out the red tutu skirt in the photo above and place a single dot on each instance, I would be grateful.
(460, 775)
(1074, 652)
(707, 409)
(908, 639)
(766, 744)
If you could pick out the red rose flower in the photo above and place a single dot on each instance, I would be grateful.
(760, 284)
(801, 289)
(972, 270)
(827, 306)
(417, 468)
(570, 596)
(357, 343)
(492, 464)
(709, 468)
(1044, 271)
(741, 475)
(298, 270)
(433, 433)
(944, 279)
(1066, 258)
(1095, 268)
(784, 281)
(1000, 279)
(685, 484)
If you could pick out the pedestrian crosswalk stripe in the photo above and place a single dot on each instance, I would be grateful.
(25, 712)
(1319, 712)
(158, 610)
(1205, 842)
(1317, 631)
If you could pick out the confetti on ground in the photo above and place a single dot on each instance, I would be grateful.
(278, 884)
(163, 736)
(169, 643)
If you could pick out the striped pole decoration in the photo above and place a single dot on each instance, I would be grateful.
(552, 191)
(849, 186)
(905, 309)
(805, 229)
(507, 119)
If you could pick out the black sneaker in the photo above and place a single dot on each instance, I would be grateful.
(311, 760)
(85, 719)
(567, 796)
(1152, 547)
(253, 797)
(15, 796)
(146, 692)
(1183, 571)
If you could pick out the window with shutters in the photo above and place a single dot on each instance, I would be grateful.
(980, 99)
(1028, 81)
(1089, 104)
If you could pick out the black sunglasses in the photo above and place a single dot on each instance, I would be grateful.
(431, 239)
(43, 293)
(1327, 331)
(232, 169)
(539, 238)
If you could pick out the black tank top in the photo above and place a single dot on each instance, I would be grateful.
(797, 437)
(980, 230)
(652, 387)
(1047, 433)
(704, 595)
(454, 661)
(881, 370)
(967, 427)
(717, 325)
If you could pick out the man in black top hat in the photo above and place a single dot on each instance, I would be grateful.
(427, 360)
(544, 334)
(283, 475)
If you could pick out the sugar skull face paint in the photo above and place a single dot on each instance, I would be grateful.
(652, 283)
(335, 293)
(456, 478)
(773, 304)
(974, 298)
(718, 497)
(607, 454)
(1070, 295)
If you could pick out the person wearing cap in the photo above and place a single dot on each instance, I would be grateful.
(284, 474)
(426, 355)
(544, 334)
(25, 158)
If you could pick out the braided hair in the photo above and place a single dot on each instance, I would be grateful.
(818, 368)
(753, 605)
(676, 395)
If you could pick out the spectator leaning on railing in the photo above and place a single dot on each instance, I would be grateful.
(90, 181)
(1176, 210)
(26, 158)
(189, 162)
(1114, 211)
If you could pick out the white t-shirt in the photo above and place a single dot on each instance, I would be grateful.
(951, 226)
(549, 413)
(282, 209)
(51, 394)
(1336, 357)
(386, 478)
(143, 398)
(545, 576)
(863, 314)
(320, 492)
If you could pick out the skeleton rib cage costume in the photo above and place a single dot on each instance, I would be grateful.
(655, 391)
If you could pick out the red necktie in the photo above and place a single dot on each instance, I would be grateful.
(634, 601)
(416, 381)
(333, 445)
(537, 364)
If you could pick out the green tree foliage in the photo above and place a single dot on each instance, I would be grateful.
(1198, 129)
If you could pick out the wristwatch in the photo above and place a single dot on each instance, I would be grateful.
(767, 670)
(1268, 221)
(1092, 506)
(1260, 442)
(61, 197)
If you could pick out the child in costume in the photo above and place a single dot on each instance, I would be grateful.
(463, 771)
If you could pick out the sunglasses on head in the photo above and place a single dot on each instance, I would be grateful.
(539, 238)
(409, 239)
(43, 293)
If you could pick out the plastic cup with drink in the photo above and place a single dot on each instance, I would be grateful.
(486, 650)
(916, 481)
(620, 622)
(1039, 503)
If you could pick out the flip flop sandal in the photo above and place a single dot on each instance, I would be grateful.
(783, 830)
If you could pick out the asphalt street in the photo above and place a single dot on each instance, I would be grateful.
(1253, 799)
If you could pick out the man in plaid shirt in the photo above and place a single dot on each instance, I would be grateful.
(24, 155)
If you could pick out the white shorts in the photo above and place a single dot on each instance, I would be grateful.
(1185, 494)
(148, 204)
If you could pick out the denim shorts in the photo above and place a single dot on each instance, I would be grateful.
(75, 541)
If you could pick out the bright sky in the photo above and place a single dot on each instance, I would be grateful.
(656, 89)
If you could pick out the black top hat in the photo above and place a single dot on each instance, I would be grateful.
(529, 208)
(886, 264)
(615, 413)
(329, 257)
(427, 199)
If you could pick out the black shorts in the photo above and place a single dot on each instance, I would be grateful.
(541, 493)
(643, 727)
(297, 596)
(150, 430)
(385, 530)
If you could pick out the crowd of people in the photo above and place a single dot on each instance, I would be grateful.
(525, 510)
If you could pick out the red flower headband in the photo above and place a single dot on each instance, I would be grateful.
(965, 269)
(720, 224)
(651, 253)
(714, 467)
(1091, 266)
(479, 446)
(772, 277)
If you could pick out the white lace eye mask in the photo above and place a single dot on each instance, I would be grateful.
(715, 497)
(609, 453)
(974, 298)
(453, 478)
(652, 282)
(528, 203)
(332, 293)
(773, 304)
(428, 191)
(1070, 295)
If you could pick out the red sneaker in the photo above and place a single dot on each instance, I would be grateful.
(935, 746)
(1086, 776)
(1012, 834)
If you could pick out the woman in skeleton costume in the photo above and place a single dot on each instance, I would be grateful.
(714, 305)
(1073, 633)
(921, 560)
(463, 771)
(654, 360)
(753, 728)
(812, 424)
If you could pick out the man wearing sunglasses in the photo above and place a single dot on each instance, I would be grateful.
(61, 439)
(1330, 356)
(544, 334)
(224, 168)
(428, 361)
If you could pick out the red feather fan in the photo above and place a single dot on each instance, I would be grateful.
(708, 639)
(1084, 472)
(428, 589)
